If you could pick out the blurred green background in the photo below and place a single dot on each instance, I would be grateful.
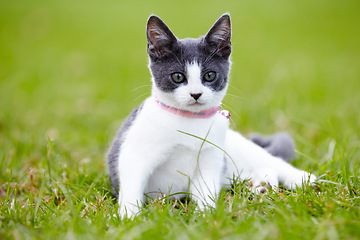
(73, 70)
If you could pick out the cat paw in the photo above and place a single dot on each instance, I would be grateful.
(299, 180)
(205, 205)
(260, 188)
(128, 211)
(264, 180)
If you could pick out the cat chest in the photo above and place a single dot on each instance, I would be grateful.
(175, 173)
(171, 145)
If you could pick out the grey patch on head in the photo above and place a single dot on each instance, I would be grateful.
(280, 144)
(114, 151)
(170, 55)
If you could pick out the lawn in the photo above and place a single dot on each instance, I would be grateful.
(71, 71)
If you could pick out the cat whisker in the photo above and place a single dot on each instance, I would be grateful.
(143, 86)
(232, 86)
(235, 96)
(209, 57)
(138, 97)
(176, 57)
(177, 105)
(213, 53)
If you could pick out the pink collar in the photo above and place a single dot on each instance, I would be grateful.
(186, 113)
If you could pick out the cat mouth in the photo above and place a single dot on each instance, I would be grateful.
(196, 104)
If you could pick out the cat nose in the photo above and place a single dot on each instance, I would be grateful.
(196, 96)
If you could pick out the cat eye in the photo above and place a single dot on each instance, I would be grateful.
(178, 77)
(209, 76)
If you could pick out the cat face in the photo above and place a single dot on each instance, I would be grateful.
(190, 74)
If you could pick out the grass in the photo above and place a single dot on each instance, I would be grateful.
(71, 71)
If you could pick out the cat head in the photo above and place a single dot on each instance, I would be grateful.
(190, 74)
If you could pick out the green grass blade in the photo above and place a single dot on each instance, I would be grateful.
(39, 199)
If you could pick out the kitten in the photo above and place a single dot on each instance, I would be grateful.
(179, 140)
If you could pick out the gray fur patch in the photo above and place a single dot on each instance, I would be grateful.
(114, 151)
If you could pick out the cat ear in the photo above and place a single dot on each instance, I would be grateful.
(160, 38)
(218, 37)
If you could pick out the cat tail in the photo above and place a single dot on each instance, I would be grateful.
(280, 144)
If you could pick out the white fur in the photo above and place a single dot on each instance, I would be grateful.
(156, 158)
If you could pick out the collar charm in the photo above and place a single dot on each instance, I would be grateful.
(224, 112)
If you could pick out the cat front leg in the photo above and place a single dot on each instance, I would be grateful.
(207, 182)
(132, 177)
(135, 167)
